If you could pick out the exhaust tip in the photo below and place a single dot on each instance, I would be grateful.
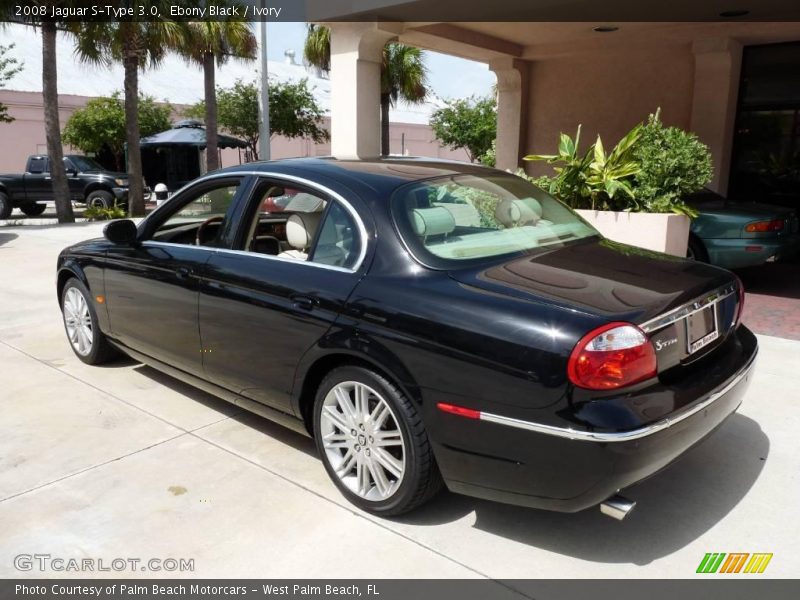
(617, 507)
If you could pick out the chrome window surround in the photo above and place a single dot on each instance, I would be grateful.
(687, 309)
(623, 436)
(277, 176)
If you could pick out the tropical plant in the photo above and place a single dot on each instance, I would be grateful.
(469, 124)
(674, 163)
(101, 125)
(52, 127)
(294, 112)
(137, 45)
(211, 43)
(403, 73)
(596, 179)
(651, 169)
(9, 66)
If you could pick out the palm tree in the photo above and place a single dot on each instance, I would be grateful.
(52, 126)
(403, 72)
(211, 42)
(137, 45)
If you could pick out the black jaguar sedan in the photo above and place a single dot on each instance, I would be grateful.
(426, 322)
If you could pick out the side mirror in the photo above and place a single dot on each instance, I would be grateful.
(121, 231)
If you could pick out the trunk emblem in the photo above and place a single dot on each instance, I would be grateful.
(661, 344)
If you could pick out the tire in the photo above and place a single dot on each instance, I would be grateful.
(100, 199)
(5, 206)
(400, 472)
(696, 250)
(86, 340)
(33, 209)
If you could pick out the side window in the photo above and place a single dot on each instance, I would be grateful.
(37, 165)
(338, 243)
(286, 221)
(199, 220)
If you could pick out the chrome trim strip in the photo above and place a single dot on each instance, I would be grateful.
(362, 230)
(623, 436)
(687, 309)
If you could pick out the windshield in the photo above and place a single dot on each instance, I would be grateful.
(84, 163)
(449, 220)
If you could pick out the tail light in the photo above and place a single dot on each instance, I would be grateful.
(764, 226)
(612, 356)
(740, 308)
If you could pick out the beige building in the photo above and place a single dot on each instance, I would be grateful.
(553, 76)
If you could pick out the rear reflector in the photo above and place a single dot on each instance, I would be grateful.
(459, 410)
(612, 356)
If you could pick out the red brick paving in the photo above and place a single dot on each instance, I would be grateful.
(772, 303)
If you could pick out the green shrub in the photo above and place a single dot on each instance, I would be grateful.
(651, 169)
(99, 213)
(674, 164)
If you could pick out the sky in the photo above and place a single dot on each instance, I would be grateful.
(448, 76)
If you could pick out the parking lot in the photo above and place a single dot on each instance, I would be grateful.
(123, 462)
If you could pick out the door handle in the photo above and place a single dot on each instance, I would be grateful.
(183, 272)
(304, 302)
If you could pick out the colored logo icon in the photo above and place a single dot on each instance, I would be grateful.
(734, 562)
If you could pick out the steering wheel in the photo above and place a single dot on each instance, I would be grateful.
(199, 237)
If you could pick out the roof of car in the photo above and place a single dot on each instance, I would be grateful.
(381, 174)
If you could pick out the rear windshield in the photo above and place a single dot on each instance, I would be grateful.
(448, 221)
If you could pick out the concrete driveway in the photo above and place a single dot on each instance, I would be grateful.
(123, 462)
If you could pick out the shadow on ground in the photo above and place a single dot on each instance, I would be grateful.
(674, 507)
(7, 237)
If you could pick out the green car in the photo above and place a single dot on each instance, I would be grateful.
(741, 234)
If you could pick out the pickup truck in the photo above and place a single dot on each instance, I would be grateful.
(89, 183)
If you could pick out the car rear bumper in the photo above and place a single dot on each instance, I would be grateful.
(736, 253)
(567, 470)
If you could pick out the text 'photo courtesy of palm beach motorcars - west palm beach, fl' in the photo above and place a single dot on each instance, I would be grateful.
(429, 323)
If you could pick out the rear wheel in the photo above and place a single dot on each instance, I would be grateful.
(34, 209)
(80, 322)
(373, 443)
(5, 206)
(100, 199)
(696, 250)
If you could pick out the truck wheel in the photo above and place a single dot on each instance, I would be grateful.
(33, 209)
(5, 206)
(100, 199)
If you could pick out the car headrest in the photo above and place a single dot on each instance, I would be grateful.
(432, 221)
(517, 213)
(301, 229)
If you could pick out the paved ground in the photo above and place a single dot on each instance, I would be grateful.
(124, 462)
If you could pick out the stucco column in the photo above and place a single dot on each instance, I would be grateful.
(512, 110)
(356, 52)
(717, 67)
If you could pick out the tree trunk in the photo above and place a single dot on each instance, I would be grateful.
(136, 189)
(52, 126)
(385, 142)
(212, 151)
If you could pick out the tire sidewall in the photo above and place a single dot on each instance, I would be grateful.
(100, 199)
(93, 356)
(6, 207)
(408, 486)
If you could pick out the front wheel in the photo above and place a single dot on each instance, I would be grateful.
(373, 443)
(80, 322)
(100, 199)
(33, 209)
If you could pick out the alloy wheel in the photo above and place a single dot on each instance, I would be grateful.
(362, 440)
(78, 321)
